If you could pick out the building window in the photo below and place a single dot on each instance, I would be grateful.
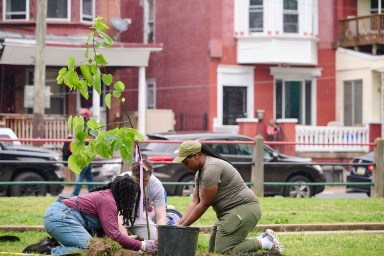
(150, 22)
(55, 94)
(87, 10)
(353, 98)
(256, 19)
(16, 10)
(58, 10)
(375, 6)
(290, 16)
(234, 104)
(151, 95)
(293, 100)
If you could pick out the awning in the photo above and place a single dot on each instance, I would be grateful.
(23, 51)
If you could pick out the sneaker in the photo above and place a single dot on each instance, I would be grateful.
(277, 245)
(261, 236)
(44, 246)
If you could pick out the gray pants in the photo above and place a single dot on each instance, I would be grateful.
(140, 229)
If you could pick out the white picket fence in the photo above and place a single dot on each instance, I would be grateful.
(331, 139)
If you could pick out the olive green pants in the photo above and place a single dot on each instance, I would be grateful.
(231, 229)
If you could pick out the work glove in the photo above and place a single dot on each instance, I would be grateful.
(149, 246)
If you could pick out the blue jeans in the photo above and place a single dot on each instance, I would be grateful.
(68, 227)
(86, 174)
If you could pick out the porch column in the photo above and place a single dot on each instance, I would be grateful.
(141, 127)
(287, 133)
(96, 105)
(382, 105)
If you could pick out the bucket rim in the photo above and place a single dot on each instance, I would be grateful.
(178, 227)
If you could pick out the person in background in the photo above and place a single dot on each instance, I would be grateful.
(69, 220)
(154, 201)
(272, 130)
(219, 184)
(86, 172)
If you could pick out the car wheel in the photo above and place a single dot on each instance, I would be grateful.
(28, 189)
(186, 190)
(299, 190)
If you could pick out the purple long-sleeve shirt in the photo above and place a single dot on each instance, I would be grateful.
(102, 205)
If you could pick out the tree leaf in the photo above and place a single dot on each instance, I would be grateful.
(106, 38)
(94, 69)
(108, 100)
(71, 63)
(86, 53)
(84, 92)
(107, 79)
(86, 71)
(99, 25)
(91, 35)
(99, 58)
(63, 71)
(73, 78)
(72, 164)
(116, 94)
(69, 124)
(119, 86)
(92, 124)
(97, 83)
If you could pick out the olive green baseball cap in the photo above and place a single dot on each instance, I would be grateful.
(187, 148)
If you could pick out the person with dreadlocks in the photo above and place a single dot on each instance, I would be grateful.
(219, 184)
(69, 220)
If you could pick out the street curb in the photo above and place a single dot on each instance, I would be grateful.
(276, 227)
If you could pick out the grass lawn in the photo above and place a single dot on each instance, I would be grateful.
(29, 211)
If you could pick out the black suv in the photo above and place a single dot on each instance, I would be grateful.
(22, 163)
(277, 167)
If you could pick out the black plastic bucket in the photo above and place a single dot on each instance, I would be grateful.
(177, 241)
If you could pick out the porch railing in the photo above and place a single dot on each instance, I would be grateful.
(55, 127)
(363, 30)
(331, 139)
(308, 138)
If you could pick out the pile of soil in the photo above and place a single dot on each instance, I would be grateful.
(107, 247)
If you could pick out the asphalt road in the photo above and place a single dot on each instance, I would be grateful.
(339, 192)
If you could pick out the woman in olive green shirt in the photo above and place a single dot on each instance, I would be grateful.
(219, 184)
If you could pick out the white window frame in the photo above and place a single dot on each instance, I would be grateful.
(83, 16)
(298, 74)
(256, 9)
(149, 21)
(379, 6)
(62, 19)
(5, 13)
(291, 12)
(151, 86)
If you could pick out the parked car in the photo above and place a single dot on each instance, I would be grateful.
(8, 133)
(29, 164)
(294, 170)
(361, 171)
(106, 170)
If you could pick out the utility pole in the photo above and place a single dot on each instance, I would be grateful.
(39, 72)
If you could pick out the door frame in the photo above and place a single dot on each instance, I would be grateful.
(230, 75)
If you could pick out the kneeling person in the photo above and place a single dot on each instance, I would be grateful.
(154, 201)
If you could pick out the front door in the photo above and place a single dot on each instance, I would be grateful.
(234, 104)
